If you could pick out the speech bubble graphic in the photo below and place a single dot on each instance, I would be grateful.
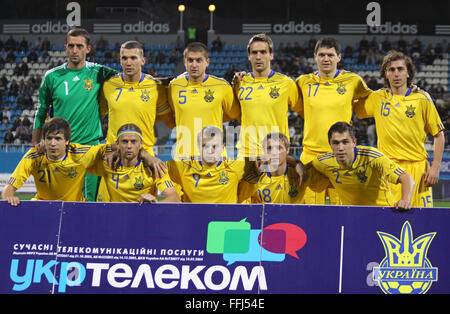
(255, 252)
(272, 239)
(215, 242)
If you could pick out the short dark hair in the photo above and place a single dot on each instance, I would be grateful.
(75, 32)
(328, 42)
(263, 38)
(394, 55)
(196, 47)
(133, 44)
(59, 125)
(341, 127)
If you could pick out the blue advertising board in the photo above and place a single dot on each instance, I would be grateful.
(89, 248)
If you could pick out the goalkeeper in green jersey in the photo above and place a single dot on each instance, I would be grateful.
(71, 91)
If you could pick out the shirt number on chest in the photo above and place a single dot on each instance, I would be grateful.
(248, 91)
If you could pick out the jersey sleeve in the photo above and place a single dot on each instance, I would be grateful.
(433, 122)
(247, 177)
(98, 168)
(106, 73)
(293, 98)
(317, 179)
(103, 102)
(164, 111)
(23, 170)
(361, 89)
(162, 105)
(299, 107)
(174, 169)
(230, 105)
(94, 154)
(170, 96)
(45, 100)
(94, 162)
(165, 182)
(389, 169)
(365, 107)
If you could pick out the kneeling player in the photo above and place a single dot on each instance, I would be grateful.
(361, 174)
(210, 178)
(131, 181)
(278, 182)
(59, 171)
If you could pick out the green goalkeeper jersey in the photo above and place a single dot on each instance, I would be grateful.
(73, 95)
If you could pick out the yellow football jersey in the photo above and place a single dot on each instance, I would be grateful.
(57, 179)
(282, 189)
(325, 101)
(402, 122)
(133, 102)
(203, 184)
(197, 105)
(366, 181)
(127, 184)
(264, 107)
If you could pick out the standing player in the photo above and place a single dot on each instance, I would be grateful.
(211, 179)
(264, 96)
(71, 91)
(326, 97)
(278, 183)
(360, 174)
(59, 171)
(131, 181)
(198, 100)
(403, 120)
(133, 97)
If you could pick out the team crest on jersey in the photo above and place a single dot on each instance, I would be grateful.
(341, 88)
(293, 191)
(274, 92)
(405, 269)
(223, 177)
(139, 184)
(361, 175)
(410, 111)
(88, 84)
(72, 173)
(209, 95)
(145, 95)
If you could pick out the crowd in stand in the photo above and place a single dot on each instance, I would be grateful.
(290, 59)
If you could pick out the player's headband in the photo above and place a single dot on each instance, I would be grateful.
(130, 132)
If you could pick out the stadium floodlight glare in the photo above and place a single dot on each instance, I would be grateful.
(211, 9)
(181, 9)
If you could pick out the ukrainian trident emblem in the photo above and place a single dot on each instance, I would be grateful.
(406, 268)
(88, 84)
(209, 96)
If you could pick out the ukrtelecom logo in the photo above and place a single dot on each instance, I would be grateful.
(239, 243)
(406, 268)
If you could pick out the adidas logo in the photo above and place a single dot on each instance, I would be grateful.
(194, 91)
(260, 87)
(76, 78)
(279, 187)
